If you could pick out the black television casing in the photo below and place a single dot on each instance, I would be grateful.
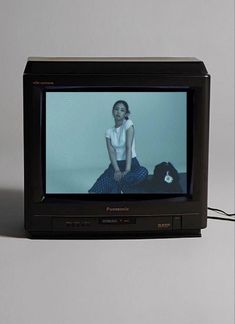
(115, 216)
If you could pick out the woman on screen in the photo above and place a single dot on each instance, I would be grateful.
(124, 171)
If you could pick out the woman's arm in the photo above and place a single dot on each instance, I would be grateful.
(113, 159)
(129, 141)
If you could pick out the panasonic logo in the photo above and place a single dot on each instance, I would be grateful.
(117, 209)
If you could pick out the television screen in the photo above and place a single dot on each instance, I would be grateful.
(116, 142)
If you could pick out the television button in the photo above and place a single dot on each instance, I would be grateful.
(177, 222)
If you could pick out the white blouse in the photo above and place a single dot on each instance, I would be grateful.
(118, 139)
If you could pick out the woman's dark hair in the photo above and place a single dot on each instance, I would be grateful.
(124, 104)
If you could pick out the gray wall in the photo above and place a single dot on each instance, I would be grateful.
(183, 281)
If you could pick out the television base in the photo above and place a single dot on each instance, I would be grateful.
(113, 235)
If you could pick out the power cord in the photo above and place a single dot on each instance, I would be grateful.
(220, 211)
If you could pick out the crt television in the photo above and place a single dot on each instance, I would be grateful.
(115, 147)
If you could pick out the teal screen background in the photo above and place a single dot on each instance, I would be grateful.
(76, 153)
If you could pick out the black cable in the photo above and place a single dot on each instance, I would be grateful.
(220, 211)
(222, 218)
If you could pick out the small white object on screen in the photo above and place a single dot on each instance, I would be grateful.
(168, 178)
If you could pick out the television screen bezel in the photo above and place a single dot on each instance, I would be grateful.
(57, 197)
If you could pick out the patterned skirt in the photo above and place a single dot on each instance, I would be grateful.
(107, 184)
